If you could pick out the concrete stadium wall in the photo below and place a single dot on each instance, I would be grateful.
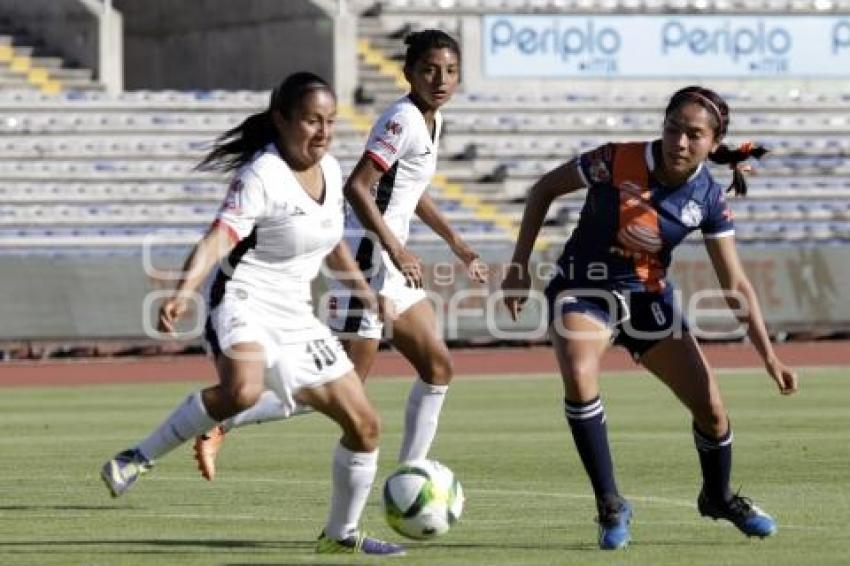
(103, 297)
(75, 29)
(227, 44)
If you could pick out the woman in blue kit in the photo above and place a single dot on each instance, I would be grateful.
(642, 200)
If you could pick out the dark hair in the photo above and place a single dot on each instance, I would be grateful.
(708, 99)
(724, 155)
(719, 111)
(235, 147)
(419, 42)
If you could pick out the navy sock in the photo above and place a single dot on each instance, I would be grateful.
(587, 423)
(715, 459)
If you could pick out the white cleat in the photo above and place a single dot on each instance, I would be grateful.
(120, 473)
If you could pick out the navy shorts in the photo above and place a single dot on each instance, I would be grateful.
(638, 320)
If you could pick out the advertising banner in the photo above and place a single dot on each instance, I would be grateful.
(665, 46)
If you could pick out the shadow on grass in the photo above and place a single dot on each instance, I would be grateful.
(56, 507)
(159, 544)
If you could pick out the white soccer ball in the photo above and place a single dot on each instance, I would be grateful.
(422, 499)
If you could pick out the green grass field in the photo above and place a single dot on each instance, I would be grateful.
(528, 501)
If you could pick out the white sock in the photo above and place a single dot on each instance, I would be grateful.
(421, 417)
(353, 474)
(187, 421)
(267, 408)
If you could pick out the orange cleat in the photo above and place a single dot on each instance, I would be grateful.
(206, 449)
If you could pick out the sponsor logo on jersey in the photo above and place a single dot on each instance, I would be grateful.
(386, 145)
(634, 196)
(233, 200)
(691, 214)
(639, 238)
(297, 211)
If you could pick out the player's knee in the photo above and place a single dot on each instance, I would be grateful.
(712, 419)
(438, 369)
(581, 372)
(366, 431)
(243, 395)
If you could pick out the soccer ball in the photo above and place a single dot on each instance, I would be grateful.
(422, 499)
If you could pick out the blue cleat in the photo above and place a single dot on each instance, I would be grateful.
(358, 544)
(741, 512)
(615, 514)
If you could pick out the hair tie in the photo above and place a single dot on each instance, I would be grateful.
(711, 105)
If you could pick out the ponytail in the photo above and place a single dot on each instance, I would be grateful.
(235, 147)
(734, 157)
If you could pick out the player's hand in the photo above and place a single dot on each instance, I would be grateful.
(477, 270)
(785, 377)
(410, 266)
(515, 288)
(171, 311)
(386, 309)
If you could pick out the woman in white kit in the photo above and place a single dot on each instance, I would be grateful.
(282, 217)
(385, 189)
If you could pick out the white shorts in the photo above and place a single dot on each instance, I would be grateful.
(345, 314)
(314, 359)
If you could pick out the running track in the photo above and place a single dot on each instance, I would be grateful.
(483, 361)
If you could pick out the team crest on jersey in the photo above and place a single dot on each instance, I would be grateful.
(598, 160)
(392, 127)
(691, 214)
(598, 170)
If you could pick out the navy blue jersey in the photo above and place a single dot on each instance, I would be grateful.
(630, 223)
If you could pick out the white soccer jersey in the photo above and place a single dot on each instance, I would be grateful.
(402, 146)
(284, 236)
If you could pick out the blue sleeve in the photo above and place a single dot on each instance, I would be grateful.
(718, 221)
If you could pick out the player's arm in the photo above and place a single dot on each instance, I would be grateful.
(428, 211)
(207, 253)
(344, 269)
(358, 191)
(563, 179)
(742, 300)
